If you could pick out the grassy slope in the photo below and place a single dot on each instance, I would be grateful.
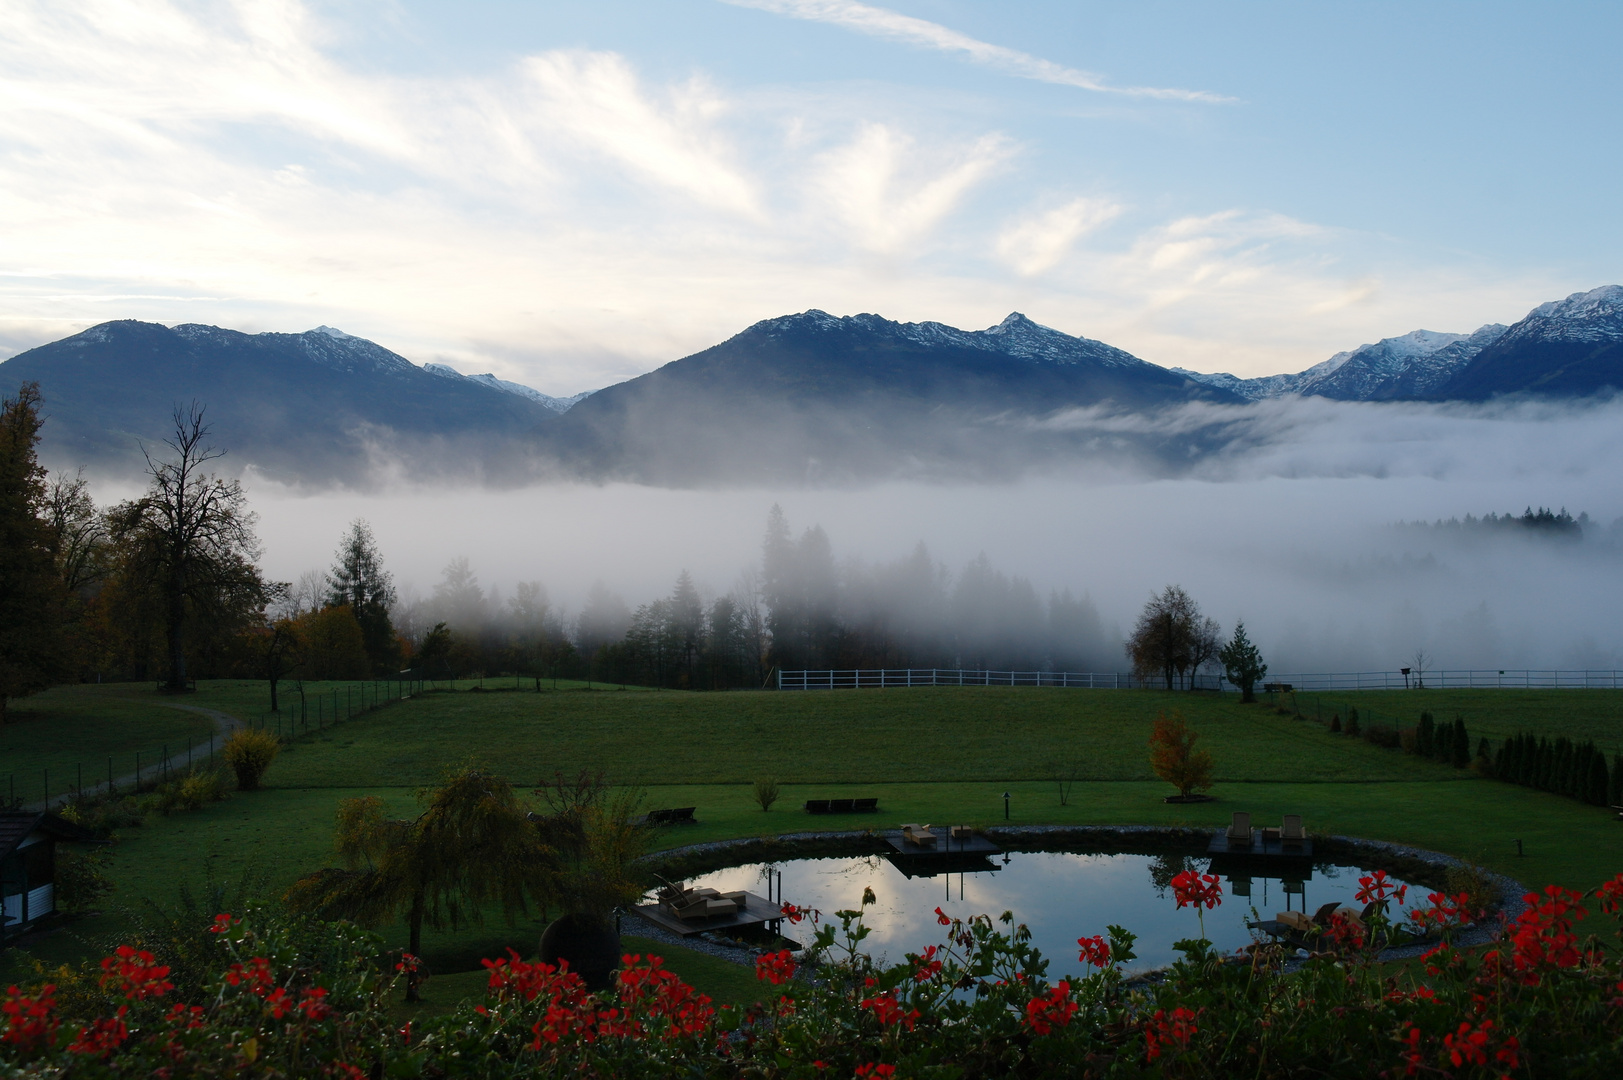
(956, 750)
(1497, 714)
(69, 727)
(835, 739)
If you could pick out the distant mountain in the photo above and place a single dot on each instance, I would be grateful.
(815, 397)
(319, 407)
(556, 404)
(1566, 348)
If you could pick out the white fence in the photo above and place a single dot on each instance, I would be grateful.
(888, 678)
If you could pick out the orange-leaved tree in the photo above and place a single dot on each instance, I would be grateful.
(1174, 757)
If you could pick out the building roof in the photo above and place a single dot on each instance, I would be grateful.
(16, 825)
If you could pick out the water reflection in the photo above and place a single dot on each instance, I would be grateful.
(1060, 895)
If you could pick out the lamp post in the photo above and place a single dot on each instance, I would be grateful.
(1005, 806)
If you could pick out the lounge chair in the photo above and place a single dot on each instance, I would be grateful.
(702, 903)
(1294, 920)
(918, 834)
(962, 833)
(1239, 834)
(1321, 917)
(1291, 833)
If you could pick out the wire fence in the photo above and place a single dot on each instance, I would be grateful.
(1449, 679)
(134, 771)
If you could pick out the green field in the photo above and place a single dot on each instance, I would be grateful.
(927, 754)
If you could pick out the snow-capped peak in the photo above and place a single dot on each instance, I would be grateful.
(558, 405)
(1604, 300)
(332, 332)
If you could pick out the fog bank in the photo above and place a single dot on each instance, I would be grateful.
(1290, 533)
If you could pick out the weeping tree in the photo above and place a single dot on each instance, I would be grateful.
(472, 846)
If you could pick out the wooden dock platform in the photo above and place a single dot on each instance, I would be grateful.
(758, 911)
(1260, 847)
(943, 847)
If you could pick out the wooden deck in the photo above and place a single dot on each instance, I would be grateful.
(943, 847)
(1260, 847)
(758, 911)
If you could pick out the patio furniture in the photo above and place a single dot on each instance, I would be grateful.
(1291, 833)
(1321, 917)
(702, 903)
(918, 834)
(1294, 920)
(961, 832)
(1239, 834)
(680, 816)
(841, 806)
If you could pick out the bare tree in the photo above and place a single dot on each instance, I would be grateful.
(1421, 659)
(1172, 637)
(78, 531)
(191, 539)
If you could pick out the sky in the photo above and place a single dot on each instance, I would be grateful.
(569, 193)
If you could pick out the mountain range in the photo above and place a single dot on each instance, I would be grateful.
(807, 398)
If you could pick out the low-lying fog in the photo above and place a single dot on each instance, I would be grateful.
(1292, 533)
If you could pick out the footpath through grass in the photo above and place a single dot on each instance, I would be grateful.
(941, 755)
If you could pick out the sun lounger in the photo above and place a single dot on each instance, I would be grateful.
(1294, 920)
(918, 834)
(961, 833)
(1291, 833)
(1321, 917)
(1239, 834)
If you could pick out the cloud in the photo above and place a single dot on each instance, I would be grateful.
(882, 22)
(1037, 243)
(891, 194)
(595, 97)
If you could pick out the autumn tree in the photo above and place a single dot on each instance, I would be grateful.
(1242, 663)
(189, 544)
(1174, 758)
(31, 592)
(470, 847)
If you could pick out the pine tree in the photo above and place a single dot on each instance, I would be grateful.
(1242, 663)
(1598, 780)
(31, 594)
(1460, 744)
(359, 580)
(1615, 798)
(1424, 735)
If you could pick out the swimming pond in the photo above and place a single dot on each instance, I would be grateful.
(1059, 895)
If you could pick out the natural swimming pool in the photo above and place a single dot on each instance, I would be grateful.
(1059, 895)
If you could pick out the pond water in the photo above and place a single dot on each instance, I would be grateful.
(1061, 896)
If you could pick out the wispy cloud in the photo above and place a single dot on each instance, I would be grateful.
(892, 195)
(1035, 244)
(882, 22)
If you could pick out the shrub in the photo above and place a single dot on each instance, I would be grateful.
(250, 752)
(1473, 882)
(1335, 724)
(766, 792)
(1352, 722)
(193, 791)
(1381, 735)
(81, 879)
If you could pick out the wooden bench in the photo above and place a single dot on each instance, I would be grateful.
(680, 816)
(842, 806)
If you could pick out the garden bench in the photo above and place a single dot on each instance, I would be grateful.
(1277, 688)
(679, 816)
(842, 806)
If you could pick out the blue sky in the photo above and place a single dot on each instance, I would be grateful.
(570, 193)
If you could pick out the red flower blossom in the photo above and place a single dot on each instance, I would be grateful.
(255, 975)
(878, 1070)
(1095, 951)
(1173, 1031)
(926, 966)
(223, 923)
(1343, 933)
(31, 1022)
(889, 1011)
(312, 1005)
(1051, 1010)
(1610, 895)
(1375, 888)
(103, 1036)
(941, 918)
(775, 968)
(798, 914)
(1199, 890)
(1543, 934)
(135, 974)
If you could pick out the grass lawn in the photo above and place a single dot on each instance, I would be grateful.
(928, 754)
(1497, 714)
